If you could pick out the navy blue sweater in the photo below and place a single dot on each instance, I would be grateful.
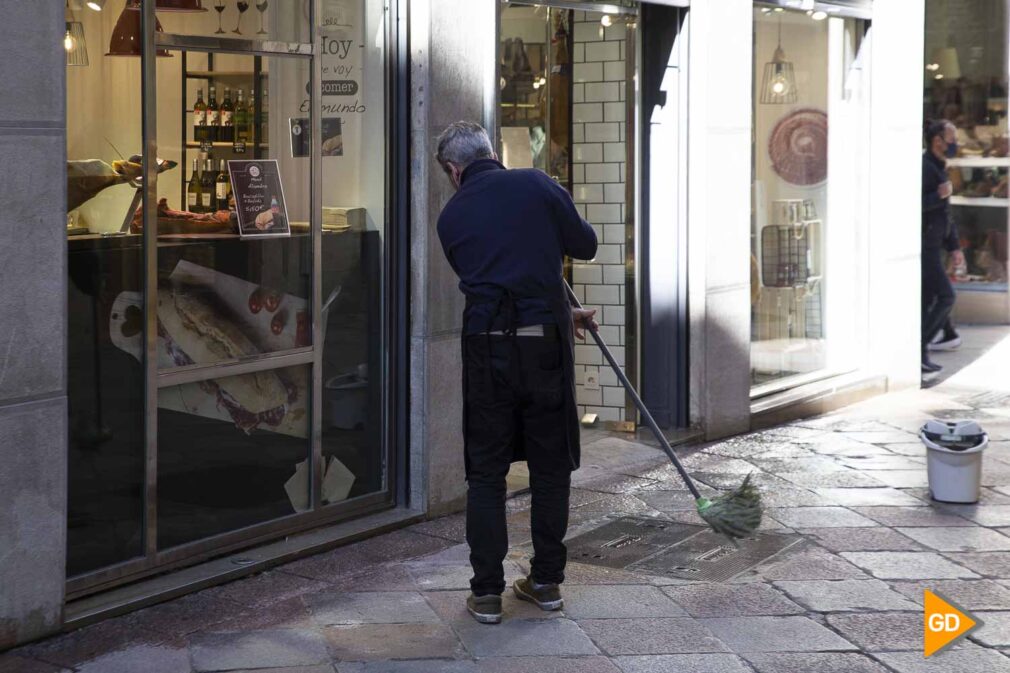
(938, 229)
(507, 232)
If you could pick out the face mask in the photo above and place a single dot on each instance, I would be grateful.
(951, 151)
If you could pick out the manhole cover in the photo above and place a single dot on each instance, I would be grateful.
(621, 542)
(711, 557)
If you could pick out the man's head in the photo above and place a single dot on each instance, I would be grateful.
(941, 138)
(461, 144)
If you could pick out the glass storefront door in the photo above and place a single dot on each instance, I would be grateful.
(809, 163)
(567, 107)
(229, 303)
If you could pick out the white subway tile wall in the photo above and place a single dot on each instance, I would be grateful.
(598, 179)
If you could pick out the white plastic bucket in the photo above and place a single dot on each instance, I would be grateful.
(954, 459)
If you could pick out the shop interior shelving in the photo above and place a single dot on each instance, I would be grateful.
(253, 81)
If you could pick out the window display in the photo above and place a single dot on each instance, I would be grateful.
(250, 317)
(965, 82)
(809, 169)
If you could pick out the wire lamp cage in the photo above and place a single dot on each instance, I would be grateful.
(778, 86)
(73, 39)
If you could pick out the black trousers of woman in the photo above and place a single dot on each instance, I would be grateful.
(515, 400)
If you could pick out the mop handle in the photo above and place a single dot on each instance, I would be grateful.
(646, 416)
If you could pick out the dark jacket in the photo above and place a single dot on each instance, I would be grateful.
(508, 231)
(505, 234)
(938, 229)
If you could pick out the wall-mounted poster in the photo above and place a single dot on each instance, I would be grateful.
(301, 131)
(259, 198)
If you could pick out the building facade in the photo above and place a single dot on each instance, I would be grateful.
(226, 345)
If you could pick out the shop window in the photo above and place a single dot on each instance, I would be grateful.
(808, 266)
(255, 371)
(965, 82)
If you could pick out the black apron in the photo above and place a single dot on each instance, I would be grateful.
(561, 309)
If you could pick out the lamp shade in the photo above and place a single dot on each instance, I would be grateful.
(74, 43)
(778, 86)
(179, 6)
(126, 36)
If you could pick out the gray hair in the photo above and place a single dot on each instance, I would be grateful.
(462, 143)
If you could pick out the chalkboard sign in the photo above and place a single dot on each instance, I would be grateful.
(259, 198)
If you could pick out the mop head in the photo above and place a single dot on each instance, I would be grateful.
(737, 514)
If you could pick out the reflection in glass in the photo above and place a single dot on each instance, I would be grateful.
(232, 452)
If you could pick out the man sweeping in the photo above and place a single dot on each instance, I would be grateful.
(505, 234)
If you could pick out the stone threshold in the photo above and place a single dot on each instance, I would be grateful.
(142, 594)
(814, 399)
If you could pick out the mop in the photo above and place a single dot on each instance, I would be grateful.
(736, 514)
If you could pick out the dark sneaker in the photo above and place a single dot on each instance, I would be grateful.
(485, 609)
(947, 342)
(930, 367)
(544, 596)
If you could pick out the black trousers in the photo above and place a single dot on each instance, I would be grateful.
(937, 295)
(515, 403)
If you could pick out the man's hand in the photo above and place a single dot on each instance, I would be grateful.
(583, 319)
(956, 259)
(945, 189)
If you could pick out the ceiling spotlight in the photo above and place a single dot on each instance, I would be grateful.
(818, 15)
(96, 5)
(938, 75)
(606, 21)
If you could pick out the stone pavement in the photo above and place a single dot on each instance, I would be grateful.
(846, 600)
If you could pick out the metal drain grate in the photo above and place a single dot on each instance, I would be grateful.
(624, 541)
(710, 557)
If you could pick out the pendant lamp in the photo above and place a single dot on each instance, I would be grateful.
(73, 39)
(180, 6)
(778, 86)
(127, 33)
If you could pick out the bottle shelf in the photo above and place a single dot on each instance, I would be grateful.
(196, 144)
(223, 74)
(982, 201)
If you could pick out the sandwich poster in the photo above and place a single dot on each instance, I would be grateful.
(259, 198)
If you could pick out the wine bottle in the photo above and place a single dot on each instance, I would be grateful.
(207, 185)
(241, 119)
(227, 111)
(213, 116)
(194, 193)
(199, 117)
(222, 187)
(264, 117)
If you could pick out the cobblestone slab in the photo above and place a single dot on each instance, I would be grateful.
(376, 642)
(995, 631)
(826, 662)
(257, 649)
(793, 497)
(965, 660)
(146, 659)
(615, 601)
(372, 607)
(861, 539)
(839, 595)
(526, 638)
(988, 563)
(970, 594)
(907, 565)
(651, 636)
(544, 665)
(844, 478)
(682, 663)
(732, 600)
(912, 516)
(820, 517)
(867, 497)
(775, 634)
(959, 539)
(874, 632)
(12, 663)
(989, 515)
(415, 666)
